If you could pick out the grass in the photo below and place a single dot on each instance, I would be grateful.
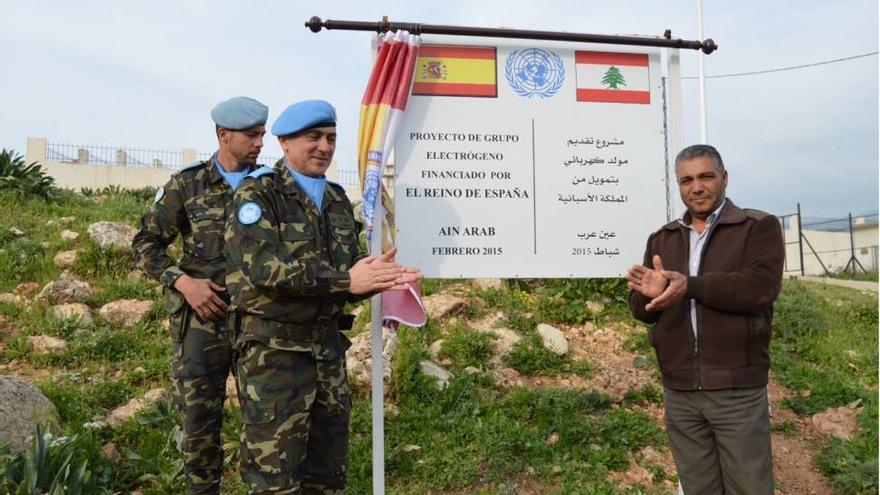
(870, 276)
(474, 436)
(826, 343)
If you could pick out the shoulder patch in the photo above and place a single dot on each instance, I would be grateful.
(256, 174)
(160, 193)
(249, 213)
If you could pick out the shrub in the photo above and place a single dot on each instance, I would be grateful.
(46, 468)
(24, 179)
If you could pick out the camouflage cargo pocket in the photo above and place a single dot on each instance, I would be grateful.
(299, 239)
(208, 225)
(178, 313)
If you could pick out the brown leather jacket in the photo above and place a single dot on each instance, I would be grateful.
(739, 277)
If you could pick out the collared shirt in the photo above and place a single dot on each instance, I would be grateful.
(697, 243)
(313, 186)
(232, 178)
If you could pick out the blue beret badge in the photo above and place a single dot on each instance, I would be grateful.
(159, 195)
(249, 213)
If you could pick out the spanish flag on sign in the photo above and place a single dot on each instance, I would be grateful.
(450, 70)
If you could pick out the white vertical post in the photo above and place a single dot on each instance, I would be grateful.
(378, 385)
(704, 138)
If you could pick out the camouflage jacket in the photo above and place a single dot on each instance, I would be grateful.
(288, 263)
(194, 203)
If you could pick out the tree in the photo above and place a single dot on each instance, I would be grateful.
(613, 78)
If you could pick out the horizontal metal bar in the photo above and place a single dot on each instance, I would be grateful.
(707, 46)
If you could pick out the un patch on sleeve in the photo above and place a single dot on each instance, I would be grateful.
(249, 213)
(159, 194)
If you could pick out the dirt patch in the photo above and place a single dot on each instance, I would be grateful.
(793, 453)
(614, 371)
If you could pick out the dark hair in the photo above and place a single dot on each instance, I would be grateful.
(698, 150)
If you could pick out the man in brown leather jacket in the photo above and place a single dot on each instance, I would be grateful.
(707, 286)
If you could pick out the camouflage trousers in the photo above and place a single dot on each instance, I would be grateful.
(295, 415)
(202, 361)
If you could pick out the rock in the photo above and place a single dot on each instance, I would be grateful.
(470, 370)
(154, 394)
(66, 290)
(595, 308)
(112, 234)
(65, 259)
(359, 360)
(112, 454)
(554, 340)
(133, 407)
(640, 361)
(27, 289)
(507, 339)
(10, 298)
(839, 422)
(135, 274)
(410, 448)
(45, 344)
(489, 283)
(45, 244)
(441, 305)
(126, 312)
(434, 349)
(434, 371)
(66, 220)
(73, 310)
(22, 406)
(16, 232)
(507, 377)
(553, 439)
(69, 235)
(231, 391)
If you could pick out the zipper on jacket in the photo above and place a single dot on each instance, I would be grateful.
(697, 354)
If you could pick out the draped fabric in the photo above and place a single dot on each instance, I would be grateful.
(382, 111)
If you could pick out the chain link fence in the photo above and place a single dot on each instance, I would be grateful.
(830, 246)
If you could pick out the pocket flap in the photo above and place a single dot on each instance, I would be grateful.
(295, 231)
(198, 213)
(339, 221)
(257, 412)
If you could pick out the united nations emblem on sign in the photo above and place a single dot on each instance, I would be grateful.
(535, 72)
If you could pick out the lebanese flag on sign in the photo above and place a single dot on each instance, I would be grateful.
(608, 77)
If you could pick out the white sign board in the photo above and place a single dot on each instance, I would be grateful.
(521, 158)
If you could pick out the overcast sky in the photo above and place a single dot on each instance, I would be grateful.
(146, 74)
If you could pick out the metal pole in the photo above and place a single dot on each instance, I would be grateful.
(852, 247)
(800, 240)
(315, 24)
(377, 385)
(704, 138)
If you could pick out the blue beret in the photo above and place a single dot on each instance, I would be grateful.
(239, 113)
(304, 115)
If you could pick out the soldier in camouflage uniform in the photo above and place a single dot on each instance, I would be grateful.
(294, 261)
(195, 204)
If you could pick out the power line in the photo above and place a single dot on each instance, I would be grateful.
(780, 69)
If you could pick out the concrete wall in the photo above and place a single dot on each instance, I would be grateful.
(833, 248)
(95, 176)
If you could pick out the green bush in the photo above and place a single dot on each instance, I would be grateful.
(23, 179)
(47, 467)
(96, 262)
(530, 357)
